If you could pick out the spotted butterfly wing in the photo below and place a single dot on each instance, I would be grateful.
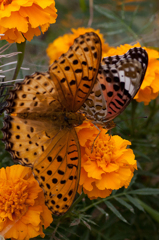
(77, 70)
(119, 78)
(39, 130)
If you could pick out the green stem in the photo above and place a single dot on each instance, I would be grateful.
(20, 48)
(129, 29)
(102, 200)
(76, 201)
(154, 109)
(133, 110)
(72, 207)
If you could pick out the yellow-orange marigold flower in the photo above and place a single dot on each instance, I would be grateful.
(61, 44)
(109, 166)
(128, 5)
(150, 88)
(22, 19)
(22, 205)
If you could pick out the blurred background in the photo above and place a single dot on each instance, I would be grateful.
(120, 22)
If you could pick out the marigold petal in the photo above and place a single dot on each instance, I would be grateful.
(125, 176)
(12, 232)
(93, 171)
(109, 181)
(13, 22)
(52, 12)
(13, 35)
(62, 44)
(32, 216)
(84, 180)
(111, 167)
(18, 15)
(95, 192)
(31, 32)
(154, 83)
(86, 131)
(16, 171)
(102, 165)
(24, 218)
(121, 143)
(146, 95)
(46, 216)
(34, 231)
(128, 157)
(43, 4)
(35, 14)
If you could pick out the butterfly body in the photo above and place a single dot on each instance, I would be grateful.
(118, 80)
(42, 113)
(59, 119)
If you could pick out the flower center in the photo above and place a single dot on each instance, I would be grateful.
(104, 148)
(13, 198)
(5, 2)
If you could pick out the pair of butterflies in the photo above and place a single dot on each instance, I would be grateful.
(42, 112)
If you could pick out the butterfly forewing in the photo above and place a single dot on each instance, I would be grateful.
(75, 72)
(39, 132)
(119, 78)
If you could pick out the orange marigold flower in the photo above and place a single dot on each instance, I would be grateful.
(22, 19)
(22, 205)
(128, 5)
(150, 88)
(61, 44)
(109, 166)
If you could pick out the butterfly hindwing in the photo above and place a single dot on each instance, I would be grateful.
(52, 154)
(119, 78)
(35, 94)
(60, 174)
(92, 107)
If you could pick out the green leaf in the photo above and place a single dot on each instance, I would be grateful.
(135, 202)
(85, 236)
(125, 204)
(154, 214)
(86, 224)
(61, 236)
(110, 25)
(116, 32)
(75, 222)
(145, 191)
(141, 154)
(106, 12)
(102, 211)
(115, 211)
(148, 23)
(83, 5)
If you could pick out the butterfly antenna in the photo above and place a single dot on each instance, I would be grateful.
(130, 119)
(118, 126)
(95, 140)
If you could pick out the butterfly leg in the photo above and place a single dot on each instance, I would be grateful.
(96, 136)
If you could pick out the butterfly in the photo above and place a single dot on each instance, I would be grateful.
(39, 130)
(119, 79)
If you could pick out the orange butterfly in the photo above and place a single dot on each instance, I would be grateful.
(40, 133)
